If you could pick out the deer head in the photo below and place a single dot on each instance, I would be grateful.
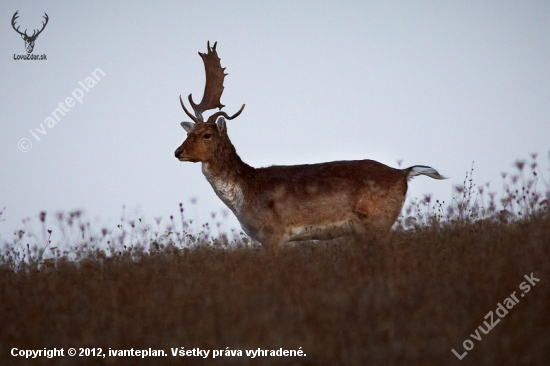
(29, 40)
(205, 140)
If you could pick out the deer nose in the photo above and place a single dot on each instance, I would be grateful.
(177, 152)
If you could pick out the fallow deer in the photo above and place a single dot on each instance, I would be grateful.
(278, 204)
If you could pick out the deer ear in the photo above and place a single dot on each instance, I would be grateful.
(187, 126)
(23, 36)
(222, 128)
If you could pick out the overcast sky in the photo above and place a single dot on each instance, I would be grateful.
(438, 83)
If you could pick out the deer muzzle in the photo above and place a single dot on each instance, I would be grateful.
(181, 155)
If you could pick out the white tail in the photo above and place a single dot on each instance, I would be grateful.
(417, 170)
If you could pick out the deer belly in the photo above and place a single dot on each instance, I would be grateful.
(321, 231)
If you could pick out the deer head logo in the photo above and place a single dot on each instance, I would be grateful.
(29, 40)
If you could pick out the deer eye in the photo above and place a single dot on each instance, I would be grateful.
(207, 136)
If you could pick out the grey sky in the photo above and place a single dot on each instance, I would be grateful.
(435, 83)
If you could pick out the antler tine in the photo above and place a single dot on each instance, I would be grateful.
(43, 23)
(198, 113)
(215, 116)
(238, 112)
(13, 20)
(195, 119)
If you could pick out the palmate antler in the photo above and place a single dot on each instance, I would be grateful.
(213, 89)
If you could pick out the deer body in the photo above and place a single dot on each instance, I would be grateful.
(319, 201)
(279, 204)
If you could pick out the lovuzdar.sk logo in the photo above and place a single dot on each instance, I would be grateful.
(29, 40)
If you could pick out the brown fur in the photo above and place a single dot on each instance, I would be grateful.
(281, 203)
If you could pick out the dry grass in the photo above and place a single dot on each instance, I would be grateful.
(405, 302)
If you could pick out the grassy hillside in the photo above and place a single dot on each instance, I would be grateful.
(409, 301)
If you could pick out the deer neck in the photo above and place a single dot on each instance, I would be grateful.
(226, 174)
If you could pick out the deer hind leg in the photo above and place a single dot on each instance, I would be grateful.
(369, 228)
(377, 214)
(273, 243)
